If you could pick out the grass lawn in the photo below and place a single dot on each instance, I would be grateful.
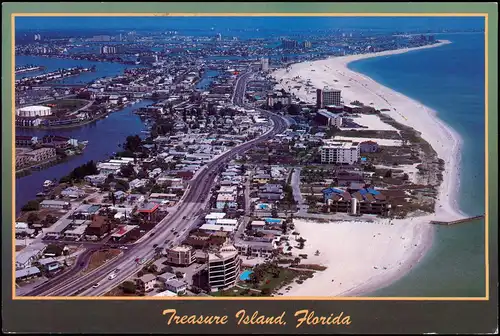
(99, 258)
(268, 283)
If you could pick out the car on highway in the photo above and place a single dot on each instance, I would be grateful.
(112, 276)
(184, 217)
(95, 285)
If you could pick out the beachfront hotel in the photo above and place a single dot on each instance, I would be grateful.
(223, 268)
(326, 97)
(340, 152)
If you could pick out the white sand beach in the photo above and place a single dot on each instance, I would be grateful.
(356, 261)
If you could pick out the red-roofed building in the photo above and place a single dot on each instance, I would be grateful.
(149, 211)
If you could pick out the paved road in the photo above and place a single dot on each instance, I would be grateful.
(194, 201)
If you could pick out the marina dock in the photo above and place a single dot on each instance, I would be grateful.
(458, 221)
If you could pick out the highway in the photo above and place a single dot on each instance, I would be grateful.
(180, 218)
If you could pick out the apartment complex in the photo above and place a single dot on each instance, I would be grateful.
(326, 97)
(340, 152)
(223, 268)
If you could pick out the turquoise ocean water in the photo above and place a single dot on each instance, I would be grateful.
(450, 80)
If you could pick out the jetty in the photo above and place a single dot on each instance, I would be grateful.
(458, 221)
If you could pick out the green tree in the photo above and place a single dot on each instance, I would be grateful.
(32, 205)
(32, 218)
(129, 287)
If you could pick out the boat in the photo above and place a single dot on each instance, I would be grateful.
(47, 184)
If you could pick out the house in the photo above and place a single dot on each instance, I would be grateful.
(261, 178)
(176, 286)
(73, 192)
(53, 204)
(49, 264)
(99, 227)
(120, 195)
(146, 282)
(31, 253)
(163, 278)
(27, 273)
(368, 147)
(256, 249)
(95, 180)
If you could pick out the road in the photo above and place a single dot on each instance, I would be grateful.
(194, 201)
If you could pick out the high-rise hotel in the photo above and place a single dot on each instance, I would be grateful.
(327, 97)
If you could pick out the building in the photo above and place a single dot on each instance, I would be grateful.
(31, 253)
(264, 64)
(340, 152)
(306, 44)
(223, 268)
(256, 249)
(146, 282)
(289, 44)
(149, 211)
(109, 50)
(49, 264)
(27, 273)
(34, 111)
(279, 97)
(99, 227)
(176, 286)
(53, 204)
(180, 255)
(73, 192)
(224, 200)
(368, 147)
(212, 217)
(326, 96)
(41, 155)
(327, 118)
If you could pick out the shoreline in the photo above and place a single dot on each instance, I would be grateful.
(441, 137)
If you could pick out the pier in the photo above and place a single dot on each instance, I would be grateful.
(458, 221)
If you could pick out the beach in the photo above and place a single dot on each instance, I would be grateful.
(364, 256)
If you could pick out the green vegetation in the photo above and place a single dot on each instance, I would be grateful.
(32, 205)
(80, 172)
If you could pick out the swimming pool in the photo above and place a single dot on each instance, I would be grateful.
(245, 275)
(273, 220)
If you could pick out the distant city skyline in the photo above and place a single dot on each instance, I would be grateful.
(224, 23)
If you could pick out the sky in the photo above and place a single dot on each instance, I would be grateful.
(294, 23)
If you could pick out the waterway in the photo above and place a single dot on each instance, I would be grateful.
(104, 136)
(103, 69)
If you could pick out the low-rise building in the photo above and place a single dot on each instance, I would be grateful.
(180, 255)
(27, 273)
(54, 204)
(146, 282)
(176, 286)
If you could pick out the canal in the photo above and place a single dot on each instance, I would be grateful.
(104, 136)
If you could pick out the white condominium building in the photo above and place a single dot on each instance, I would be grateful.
(223, 268)
(340, 152)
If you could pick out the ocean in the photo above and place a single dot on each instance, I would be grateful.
(450, 80)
